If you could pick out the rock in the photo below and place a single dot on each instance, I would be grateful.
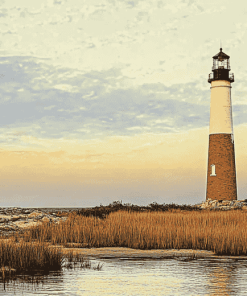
(26, 224)
(226, 202)
(7, 228)
(224, 208)
(5, 216)
(217, 208)
(64, 218)
(37, 215)
(14, 218)
(26, 212)
(56, 219)
(214, 204)
(238, 205)
(45, 219)
(223, 205)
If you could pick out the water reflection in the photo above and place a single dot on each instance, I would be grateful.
(179, 276)
(30, 285)
(226, 276)
(221, 280)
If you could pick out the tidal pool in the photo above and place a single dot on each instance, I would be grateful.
(142, 276)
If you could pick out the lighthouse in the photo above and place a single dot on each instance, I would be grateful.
(221, 173)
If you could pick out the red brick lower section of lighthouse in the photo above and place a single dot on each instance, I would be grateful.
(221, 153)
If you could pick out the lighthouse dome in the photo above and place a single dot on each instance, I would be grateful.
(221, 56)
(221, 68)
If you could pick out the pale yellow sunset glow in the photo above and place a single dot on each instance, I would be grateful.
(148, 164)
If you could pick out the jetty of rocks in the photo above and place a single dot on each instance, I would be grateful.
(19, 219)
(223, 205)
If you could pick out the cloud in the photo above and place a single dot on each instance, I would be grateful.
(64, 103)
(3, 12)
(66, 87)
(49, 107)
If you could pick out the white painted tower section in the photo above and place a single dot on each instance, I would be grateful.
(220, 108)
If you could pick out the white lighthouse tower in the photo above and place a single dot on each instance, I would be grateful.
(221, 175)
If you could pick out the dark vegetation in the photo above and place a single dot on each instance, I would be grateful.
(103, 211)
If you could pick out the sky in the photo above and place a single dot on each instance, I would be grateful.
(109, 100)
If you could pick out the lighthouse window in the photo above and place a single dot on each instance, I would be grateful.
(213, 170)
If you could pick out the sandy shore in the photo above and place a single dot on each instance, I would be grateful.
(128, 253)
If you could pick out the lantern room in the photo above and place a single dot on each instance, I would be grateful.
(221, 68)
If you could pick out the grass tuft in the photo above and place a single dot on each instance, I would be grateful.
(28, 258)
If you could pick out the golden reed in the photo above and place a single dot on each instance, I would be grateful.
(25, 257)
(218, 231)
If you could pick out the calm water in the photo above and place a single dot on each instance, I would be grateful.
(223, 276)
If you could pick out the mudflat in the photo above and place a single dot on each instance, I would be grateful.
(129, 253)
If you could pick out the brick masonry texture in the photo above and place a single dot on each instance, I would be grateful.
(221, 153)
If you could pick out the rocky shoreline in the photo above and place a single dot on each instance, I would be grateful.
(13, 220)
(223, 205)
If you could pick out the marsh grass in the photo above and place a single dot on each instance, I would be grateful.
(26, 258)
(77, 260)
(224, 233)
(103, 211)
(34, 260)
